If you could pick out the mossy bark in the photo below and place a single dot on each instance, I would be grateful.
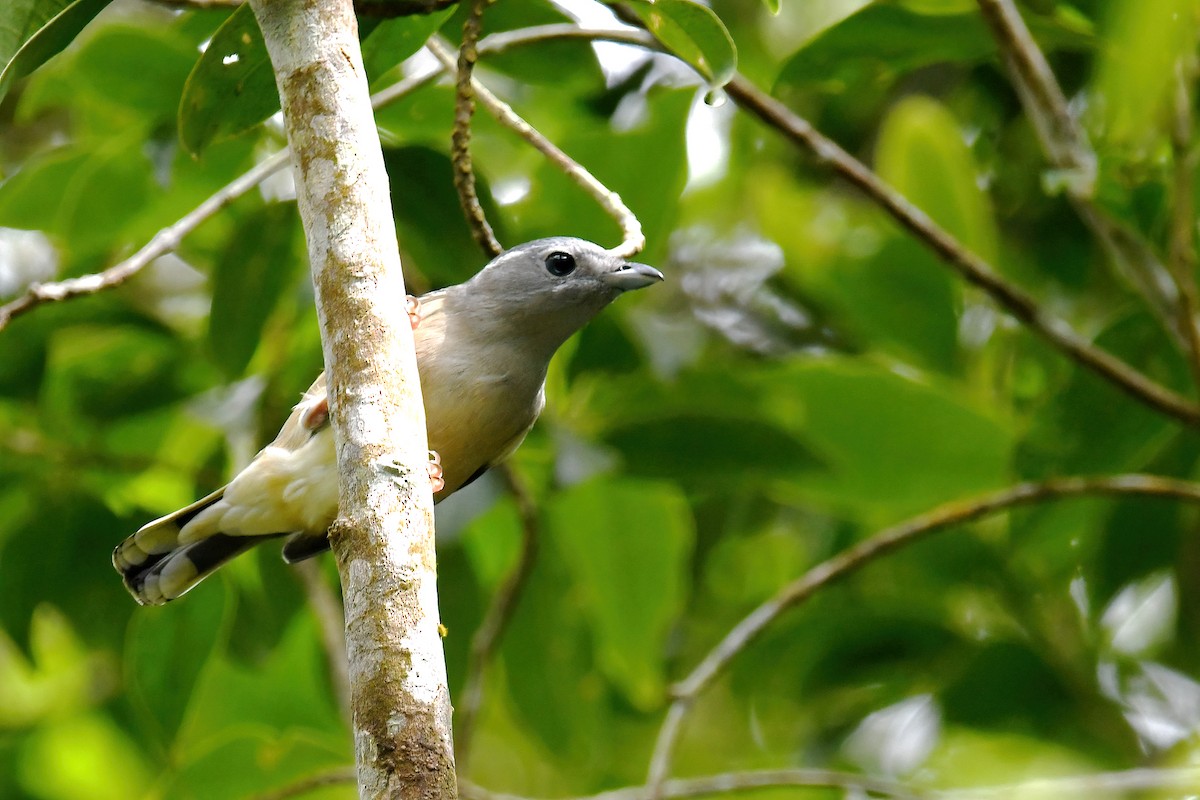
(383, 540)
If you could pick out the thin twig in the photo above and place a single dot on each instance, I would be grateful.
(460, 136)
(731, 782)
(499, 613)
(200, 4)
(331, 621)
(164, 242)
(851, 560)
(1100, 784)
(168, 239)
(969, 266)
(1182, 256)
(1095, 785)
(334, 777)
(1067, 148)
(633, 240)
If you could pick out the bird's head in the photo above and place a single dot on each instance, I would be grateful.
(555, 286)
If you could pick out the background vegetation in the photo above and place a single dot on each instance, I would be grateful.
(810, 374)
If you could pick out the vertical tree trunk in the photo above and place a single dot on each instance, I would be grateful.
(383, 539)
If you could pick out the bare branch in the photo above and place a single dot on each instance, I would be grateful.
(1182, 257)
(334, 777)
(383, 536)
(504, 603)
(331, 622)
(1068, 150)
(1100, 784)
(969, 266)
(632, 238)
(732, 782)
(164, 242)
(851, 560)
(460, 137)
(168, 239)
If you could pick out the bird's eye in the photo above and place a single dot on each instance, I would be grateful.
(560, 263)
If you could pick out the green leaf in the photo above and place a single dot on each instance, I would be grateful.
(891, 38)
(693, 33)
(774, 6)
(45, 562)
(394, 40)
(31, 31)
(231, 88)
(167, 649)
(1143, 42)
(922, 153)
(893, 445)
(31, 198)
(104, 196)
(248, 281)
(627, 546)
(149, 64)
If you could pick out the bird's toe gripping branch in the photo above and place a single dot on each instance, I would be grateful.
(435, 472)
(413, 307)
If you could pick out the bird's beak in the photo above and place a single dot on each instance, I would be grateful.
(632, 276)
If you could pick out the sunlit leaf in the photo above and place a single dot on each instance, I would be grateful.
(694, 33)
(922, 153)
(31, 31)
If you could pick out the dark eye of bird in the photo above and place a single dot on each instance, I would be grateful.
(560, 263)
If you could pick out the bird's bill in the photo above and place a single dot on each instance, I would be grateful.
(633, 276)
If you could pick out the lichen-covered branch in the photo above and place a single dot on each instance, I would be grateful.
(851, 560)
(460, 136)
(383, 538)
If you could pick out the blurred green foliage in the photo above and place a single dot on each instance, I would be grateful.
(808, 374)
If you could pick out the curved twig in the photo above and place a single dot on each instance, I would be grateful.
(1068, 150)
(851, 560)
(633, 240)
(168, 239)
(499, 613)
(969, 266)
(460, 136)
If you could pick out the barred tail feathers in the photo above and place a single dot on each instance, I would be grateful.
(156, 567)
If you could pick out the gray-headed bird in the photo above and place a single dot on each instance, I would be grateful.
(483, 348)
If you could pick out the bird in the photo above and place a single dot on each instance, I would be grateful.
(483, 348)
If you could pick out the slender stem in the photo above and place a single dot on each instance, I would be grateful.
(460, 137)
(886, 541)
(732, 782)
(168, 239)
(633, 240)
(1182, 255)
(334, 777)
(331, 622)
(1100, 784)
(1067, 148)
(165, 241)
(499, 613)
(969, 266)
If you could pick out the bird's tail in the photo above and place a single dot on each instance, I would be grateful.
(156, 568)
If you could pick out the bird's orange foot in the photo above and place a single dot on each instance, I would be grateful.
(413, 306)
(435, 472)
